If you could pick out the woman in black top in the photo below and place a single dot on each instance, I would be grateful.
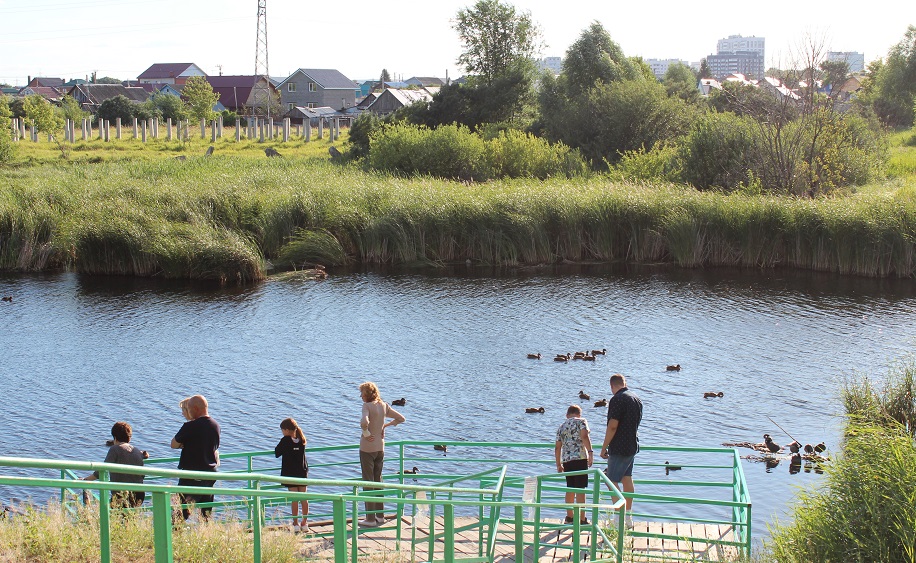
(294, 464)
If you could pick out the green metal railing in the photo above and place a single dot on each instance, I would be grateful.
(495, 496)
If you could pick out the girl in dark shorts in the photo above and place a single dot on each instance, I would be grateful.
(294, 464)
(573, 452)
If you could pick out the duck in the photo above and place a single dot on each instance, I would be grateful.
(413, 471)
(588, 358)
(399, 402)
(533, 410)
(600, 352)
(7, 298)
(669, 467)
(713, 394)
(794, 447)
(601, 403)
(583, 395)
(771, 445)
(675, 367)
(561, 357)
(820, 448)
(809, 449)
(534, 356)
(441, 448)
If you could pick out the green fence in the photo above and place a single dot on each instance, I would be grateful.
(500, 485)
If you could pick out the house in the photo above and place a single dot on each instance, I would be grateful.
(367, 101)
(313, 115)
(237, 92)
(781, 91)
(42, 81)
(53, 95)
(91, 96)
(393, 99)
(707, 85)
(424, 81)
(152, 88)
(170, 73)
(318, 87)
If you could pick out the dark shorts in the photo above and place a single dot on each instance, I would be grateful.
(619, 466)
(288, 485)
(576, 481)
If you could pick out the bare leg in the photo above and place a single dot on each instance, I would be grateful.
(569, 499)
(628, 488)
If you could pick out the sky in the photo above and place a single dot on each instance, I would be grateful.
(121, 38)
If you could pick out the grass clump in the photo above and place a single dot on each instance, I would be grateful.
(866, 511)
(51, 535)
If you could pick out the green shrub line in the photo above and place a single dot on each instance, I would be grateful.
(224, 218)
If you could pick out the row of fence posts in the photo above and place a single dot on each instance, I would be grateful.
(261, 129)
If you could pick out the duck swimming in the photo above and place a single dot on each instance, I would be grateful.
(675, 367)
(669, 468)
(588, 358)
(413, 471)
(771, 445)
(600, 352)
(441, 448)
(399, 402)
(534, 356)
(820, 448)
(601, 403)
(533, 410)
(561, 358)
(713, 394)
(583, 395)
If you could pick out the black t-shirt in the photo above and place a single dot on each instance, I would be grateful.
(626, 409)
(200, 440)
(294, 463)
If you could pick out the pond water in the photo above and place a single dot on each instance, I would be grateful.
(80, 352)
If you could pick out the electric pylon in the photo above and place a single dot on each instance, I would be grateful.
(262, 95)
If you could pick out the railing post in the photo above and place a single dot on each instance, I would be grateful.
(256, 525)
(747, 531)
(162, 527)
(449, 531)
(520, 534)
(104, 520)
(339, 509)
(248, 507)
(621, 530)
(431, 550)
(354, 549)
(577, 533)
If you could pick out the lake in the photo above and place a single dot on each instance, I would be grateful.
(81, 352)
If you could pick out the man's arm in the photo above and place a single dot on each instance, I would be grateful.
(586, 438)
(176, 445)
(609, 436)
(556, 454)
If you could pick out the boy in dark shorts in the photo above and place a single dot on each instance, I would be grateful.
(573, 452)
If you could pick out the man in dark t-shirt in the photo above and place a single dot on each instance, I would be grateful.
(198, 440)
(621, 439)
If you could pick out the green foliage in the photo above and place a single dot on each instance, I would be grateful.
(680, 80)
(716, 151)
(117, 107)
(71, 110)
(834, 73)
(41, 114)
(704, 69)
(6, 135)
(360, 133)
(892, 88)
(106, 80)
(660, 163)
(200, 98)
(496, 39)
(169, 106)
(312, 247)
(592, 58)
(508, 98)
(454, 151)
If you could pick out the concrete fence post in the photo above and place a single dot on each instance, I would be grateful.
(89, 127)
(168, 131)
(107, 130)
(34, 134)
(14, 125)
(143, 129)
(136, 128)
(220, 120)
(286, 130)
(320, 128)
(213, 131)
(154, 128)
(67, 130)
(238, 133)
(203, 128)
(118, 128)
(261, 131)
(307, 124)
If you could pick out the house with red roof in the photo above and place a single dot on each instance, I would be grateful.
(170, 73)
(237, 92)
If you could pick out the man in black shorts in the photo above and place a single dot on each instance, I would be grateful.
(621, 439)
(198, 440)
(573, 452)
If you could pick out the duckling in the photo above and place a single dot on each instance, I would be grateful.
(771, 445)
(583, 395)
(399, 402)
(561, 357)
(601, 403)
(669, 468)
(675, 367)
(441, 448)
(533, 410)
(600, 352)
(713, 394)
(809, 449)
(8, 298)
(589, 358)
(534, 356)
(820, 448)
(413, 471)
(794, 447)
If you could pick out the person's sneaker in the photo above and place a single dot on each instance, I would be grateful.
(369, 522)
(629, 522)
(380, 518)
(568, 520)
(584, 522)
(305, 529)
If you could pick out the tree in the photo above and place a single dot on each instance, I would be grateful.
(385, 77)
(705, 72)
(71, 110)
(6, 139)
(200, 98)
(893, 86)
(116, 107)
(43, 116)
(169, 106)
(593, 57)
(681, 81)
(834, 74)
(496, 38)
(107, 80)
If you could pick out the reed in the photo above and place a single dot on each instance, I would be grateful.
(49, 535)
(222, 217)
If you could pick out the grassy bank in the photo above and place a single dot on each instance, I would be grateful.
(221, 217)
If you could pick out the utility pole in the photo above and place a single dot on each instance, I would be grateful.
(262, 94)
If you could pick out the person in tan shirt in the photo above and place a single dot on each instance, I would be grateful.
(372, 444)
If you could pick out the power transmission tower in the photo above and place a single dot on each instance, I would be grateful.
(262, 95)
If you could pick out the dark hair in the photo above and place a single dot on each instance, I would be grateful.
(121, 431)
(574, 409)
(618, 380)
(290, 424)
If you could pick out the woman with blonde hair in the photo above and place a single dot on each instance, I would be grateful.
(372, 444)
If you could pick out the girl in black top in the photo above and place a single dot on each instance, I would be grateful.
(294, 464)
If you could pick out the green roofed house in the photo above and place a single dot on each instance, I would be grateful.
(318, 87)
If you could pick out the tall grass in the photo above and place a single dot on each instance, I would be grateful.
(51, 535)
(221, 217)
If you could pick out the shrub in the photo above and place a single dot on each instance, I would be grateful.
(716, 150)
(515, 154)
(360, 133)
(118, 106)
(659, 163)
(230, 118)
